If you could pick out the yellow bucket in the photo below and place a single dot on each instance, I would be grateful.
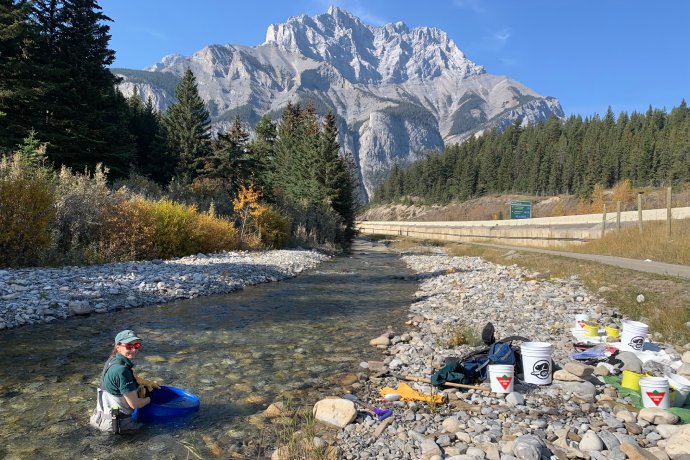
(591, 330)
(631, 380)
(612, 332)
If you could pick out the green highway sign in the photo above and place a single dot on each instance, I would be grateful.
(520, 209)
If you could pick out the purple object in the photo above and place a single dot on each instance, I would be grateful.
(382, 414)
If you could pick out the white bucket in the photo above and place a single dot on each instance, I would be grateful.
(655, 392)
(580, 321)
(536, 362)
(502, 377)
(680, 388)
(633, 335)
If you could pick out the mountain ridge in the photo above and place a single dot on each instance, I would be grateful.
(397, 92)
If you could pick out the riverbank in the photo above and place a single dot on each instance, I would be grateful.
(41, 295)
(575, 417)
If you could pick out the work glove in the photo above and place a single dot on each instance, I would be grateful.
(145, 386)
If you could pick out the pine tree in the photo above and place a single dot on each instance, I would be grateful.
(150, 157)
(187, 124)
(82, 116)
(262, 152)
(230, 162)
(17, 87)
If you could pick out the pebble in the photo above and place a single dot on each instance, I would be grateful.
(574, 418)
(58, 293)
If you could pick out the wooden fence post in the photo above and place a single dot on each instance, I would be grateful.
(639, 212)
(668, 213)
(618, 215)
(603, 222)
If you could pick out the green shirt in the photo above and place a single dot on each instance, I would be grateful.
(119, 378)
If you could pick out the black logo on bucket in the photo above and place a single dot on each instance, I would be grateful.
(636, 343)
(542, 369)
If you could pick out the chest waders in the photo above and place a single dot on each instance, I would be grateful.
(115, 414)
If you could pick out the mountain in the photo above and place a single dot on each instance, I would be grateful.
(397, 92)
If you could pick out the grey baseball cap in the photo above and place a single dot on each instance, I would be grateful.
(126, 336)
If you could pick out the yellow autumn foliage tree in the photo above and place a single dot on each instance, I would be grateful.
(247, 207)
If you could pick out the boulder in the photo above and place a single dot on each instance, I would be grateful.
(563, 375)
(338, 412)
(580, 369)
(636, 453)
(678, 445)
(658, 416)
(629, 362)
(80, 307)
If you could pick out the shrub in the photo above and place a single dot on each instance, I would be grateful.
(26, 212)
(213, 234)
(137, 229)
(128, 232)
(79, 204)
(273, 229)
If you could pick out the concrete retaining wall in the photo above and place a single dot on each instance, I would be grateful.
(543, 231)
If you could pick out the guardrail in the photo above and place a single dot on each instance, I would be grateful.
(542, 231)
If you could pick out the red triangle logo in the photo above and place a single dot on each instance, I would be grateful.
(581, 324)
(504, 381)
(656, 397)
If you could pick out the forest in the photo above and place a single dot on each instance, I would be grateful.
(555, 157)
(87, 175)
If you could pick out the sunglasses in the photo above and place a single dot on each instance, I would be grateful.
(131, 346)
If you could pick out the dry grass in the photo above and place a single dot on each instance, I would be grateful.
(652, 244)
(461, 334)
(667, 305)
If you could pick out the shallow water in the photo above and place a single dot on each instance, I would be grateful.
(238, 352)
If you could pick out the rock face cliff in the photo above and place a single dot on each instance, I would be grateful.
(397, 93)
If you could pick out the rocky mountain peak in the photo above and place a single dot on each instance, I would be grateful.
(397, 92)
(369, 54)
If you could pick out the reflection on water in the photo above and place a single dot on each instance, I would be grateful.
(237, 352)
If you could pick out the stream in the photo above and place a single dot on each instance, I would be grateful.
(291, 340)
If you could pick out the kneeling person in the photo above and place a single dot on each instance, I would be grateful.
(120, 391)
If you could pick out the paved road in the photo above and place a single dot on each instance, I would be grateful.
(681, 271)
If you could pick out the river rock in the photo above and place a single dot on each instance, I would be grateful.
(657, 416)
(684, 370)
(629, 362)
(338, 412)
(563, 375)
(579, 369)
(590, 441)
(528, 447)
(430, 449)
(666, 431)
(80, 307)
(636, 453)
(382, 340)
(678, 445)
(515, 399)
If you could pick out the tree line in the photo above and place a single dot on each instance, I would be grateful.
(553, 157)
(56, 89)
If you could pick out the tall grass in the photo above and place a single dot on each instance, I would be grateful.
(652, 244)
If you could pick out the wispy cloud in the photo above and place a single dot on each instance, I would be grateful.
(500, 37)
(355, 7)
(152, 33)
(476, 6)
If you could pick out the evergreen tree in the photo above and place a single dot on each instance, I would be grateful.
(263, 151)
(150, 157)
(82, 116)
(230, 162)
(187, 124)
(17, 87)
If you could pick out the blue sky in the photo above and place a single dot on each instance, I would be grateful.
(590, 54)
